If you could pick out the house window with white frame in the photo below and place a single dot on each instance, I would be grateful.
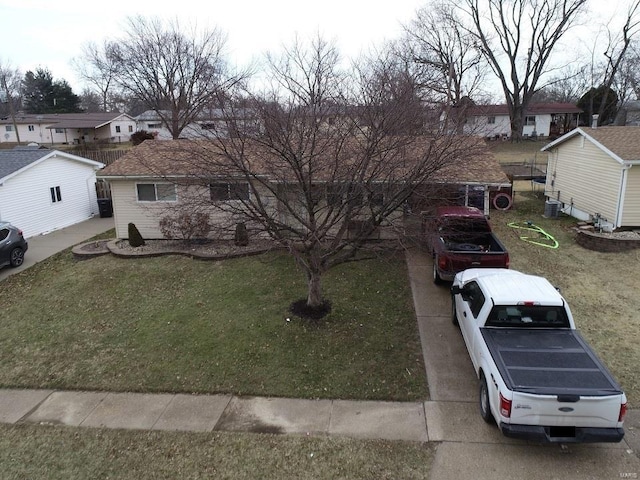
(8, 128)
(117, 128)
(156, 192)
(224, 191)
(530, 120)
(59, 130)
(130, 128)
(491, 120)
(56, 195)
(32, 128)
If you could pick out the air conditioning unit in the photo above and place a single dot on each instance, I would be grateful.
(552, 208)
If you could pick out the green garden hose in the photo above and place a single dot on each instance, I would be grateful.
(542, 238)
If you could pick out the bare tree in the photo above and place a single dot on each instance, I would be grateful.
(437, 41)
(517, 37)
(617, 48)
(566, 87)
(327, 170)
(10, 81)
(176, 71)
(98, 67)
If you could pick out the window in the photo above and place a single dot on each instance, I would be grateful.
(31, 128)
(8, 128)
(4, 233)
(530, 120)
(130, 128)
(223, 191)
(117, 128)
(154, 125)
(59, 130)
(474, 296)
(491, 120)
(56, 196)
(208, 126)
(334, 196)
(156, 192)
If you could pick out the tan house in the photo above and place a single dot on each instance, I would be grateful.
(159, 177)
(593, 174)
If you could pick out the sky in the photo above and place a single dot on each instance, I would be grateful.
(46, 33)
(49, 34)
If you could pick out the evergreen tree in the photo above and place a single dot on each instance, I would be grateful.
(44, 95)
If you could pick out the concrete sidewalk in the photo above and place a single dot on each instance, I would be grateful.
(207, 413)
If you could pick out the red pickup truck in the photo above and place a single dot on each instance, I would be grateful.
(461, 238)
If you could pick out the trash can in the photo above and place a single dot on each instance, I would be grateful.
(105, 207)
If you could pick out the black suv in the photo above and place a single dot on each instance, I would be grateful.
(12, 245)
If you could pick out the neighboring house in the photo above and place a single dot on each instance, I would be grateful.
(43, 190)
(211, 123)
(541, 120)
(595, 175)
(143, 192)
(67, 128)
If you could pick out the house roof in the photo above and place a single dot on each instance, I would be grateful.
(67, 120)
(178, 158)
(534, 109)
(621, 143)
(13, 162)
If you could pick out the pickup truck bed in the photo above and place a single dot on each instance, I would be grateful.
(548, 362)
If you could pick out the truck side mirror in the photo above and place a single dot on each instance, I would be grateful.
(455, 290)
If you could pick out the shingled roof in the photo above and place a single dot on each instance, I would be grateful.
(622, 143)
(13, 160)
(183, 158)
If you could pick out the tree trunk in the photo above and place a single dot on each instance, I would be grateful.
(517, 122)
(314, 286)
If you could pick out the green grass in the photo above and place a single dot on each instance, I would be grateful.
(601, 288)
(171, 324)
(44, 452)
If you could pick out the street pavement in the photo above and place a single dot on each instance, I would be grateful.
(467, 448)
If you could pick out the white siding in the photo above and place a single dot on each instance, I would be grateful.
(581, 174)
(631, 208)
(146, 215)
(25, 200)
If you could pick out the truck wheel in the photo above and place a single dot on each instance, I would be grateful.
(454, 316)
(436, 276)
(485, 407)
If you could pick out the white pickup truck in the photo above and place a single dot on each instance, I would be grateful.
(539, 379)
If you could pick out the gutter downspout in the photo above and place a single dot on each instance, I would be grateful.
(623, 189)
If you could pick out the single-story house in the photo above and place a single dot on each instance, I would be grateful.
(152, 179)
(210, 123)
(594, 175)
(67, 128)
(541, 120)
(43, 190)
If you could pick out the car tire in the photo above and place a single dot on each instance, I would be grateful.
(485, 407)
(16, 257)
(436, 276)
(454, 315)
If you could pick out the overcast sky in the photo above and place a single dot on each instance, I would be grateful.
(46, 33)
(49, 33)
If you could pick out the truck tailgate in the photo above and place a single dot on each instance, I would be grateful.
(548, 362)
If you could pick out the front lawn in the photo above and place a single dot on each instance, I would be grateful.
(45, 452)
(171, 324)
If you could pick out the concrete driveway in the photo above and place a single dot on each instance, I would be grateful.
(43, 246)
(471, 448)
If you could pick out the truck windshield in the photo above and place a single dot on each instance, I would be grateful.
(527, 316)
(464, 225)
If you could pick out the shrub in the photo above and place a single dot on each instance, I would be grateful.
(139, 137)
(135, 239)
(185, 225)
(241, 237)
